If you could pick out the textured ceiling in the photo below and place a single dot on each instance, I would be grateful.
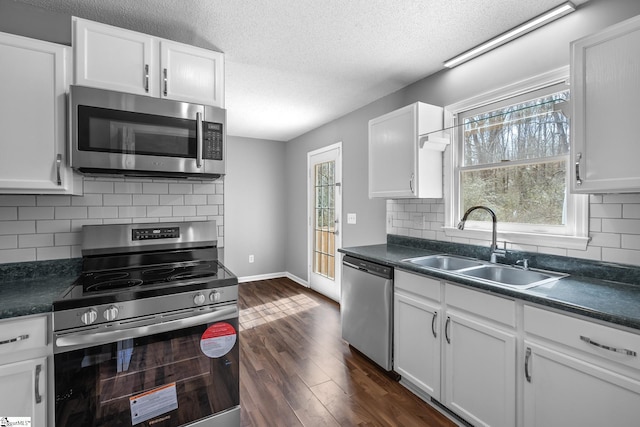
(293, 65)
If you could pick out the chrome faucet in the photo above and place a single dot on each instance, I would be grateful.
(495, 252)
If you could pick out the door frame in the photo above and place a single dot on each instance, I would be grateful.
(311, 214)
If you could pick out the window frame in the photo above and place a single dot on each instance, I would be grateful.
(574, 235)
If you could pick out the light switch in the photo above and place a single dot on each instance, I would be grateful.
(351, 218)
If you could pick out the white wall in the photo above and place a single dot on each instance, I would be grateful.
(544, 50)
(255, 222)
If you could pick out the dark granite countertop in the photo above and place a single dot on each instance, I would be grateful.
(595, 297)
(31, 287)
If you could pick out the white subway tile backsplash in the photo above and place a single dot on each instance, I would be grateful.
(31, 212)
(87, 200)
(73, 212)
(158, 211)
(611, 210)
(180, 188)
(8, 213)
(102, 187)
(49, 227)
(132, 212)
(146, 199)
(8, 242)
(17, 200)
(117, 199)
(172, 199)
(68, 239)
(614, 227)
(103, 212)
(54, 252)
(35, 240)
(128, 187)
(17, 227)
(53, 200)
(17, 255)
(155, 188)
(631, 210)
(184, 211)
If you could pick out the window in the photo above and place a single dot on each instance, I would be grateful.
(512, 156)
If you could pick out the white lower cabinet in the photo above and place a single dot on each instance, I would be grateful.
(479, 363)
(458, 346)
(417, 331)
(579, 373)
(24, 356)
(23, 390)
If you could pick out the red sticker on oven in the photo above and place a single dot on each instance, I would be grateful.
(218, 340)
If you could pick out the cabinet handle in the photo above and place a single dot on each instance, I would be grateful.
(18, 338)
(411, 182)
(37, 384)
(164, 76)
(198, 138)
(578, 158)
(527, 359)
(446, 330)
(58, 166)
(146, 78)
(433, 324)
(606, 347)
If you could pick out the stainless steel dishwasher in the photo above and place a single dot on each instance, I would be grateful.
(366, 309)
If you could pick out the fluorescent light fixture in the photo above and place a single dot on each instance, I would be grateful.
(538, 22)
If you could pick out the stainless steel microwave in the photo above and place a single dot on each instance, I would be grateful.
(133, 135)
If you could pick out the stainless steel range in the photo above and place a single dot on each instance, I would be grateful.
(148, 334)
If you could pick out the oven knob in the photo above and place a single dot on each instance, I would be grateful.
(214, 296)
(199, 299)
(111, 313)
(89, 316)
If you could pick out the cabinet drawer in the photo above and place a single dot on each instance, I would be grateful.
(416, 284)
(592, 338)
(500, 309)
(23, 334)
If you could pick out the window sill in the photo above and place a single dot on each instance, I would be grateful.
(547, 240)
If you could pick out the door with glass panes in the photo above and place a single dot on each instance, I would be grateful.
(324, 194)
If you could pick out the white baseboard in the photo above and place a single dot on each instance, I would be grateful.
(273, 276)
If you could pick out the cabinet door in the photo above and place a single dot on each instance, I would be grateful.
(605, 92)
(417, 342)
(32, 116)
(392, 153)
(22, 390)
(480, 373)
(113, 58)
(561, 390)
(191, 74)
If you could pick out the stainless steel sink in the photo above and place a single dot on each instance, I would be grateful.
(444, 262)
(512, 277)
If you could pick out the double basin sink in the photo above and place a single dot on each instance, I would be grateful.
(495, 274)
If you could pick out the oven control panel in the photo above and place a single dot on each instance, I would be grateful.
(155, 233)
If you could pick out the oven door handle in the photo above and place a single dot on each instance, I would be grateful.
(92, 338)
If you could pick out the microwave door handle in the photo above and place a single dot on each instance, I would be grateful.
(199, 140)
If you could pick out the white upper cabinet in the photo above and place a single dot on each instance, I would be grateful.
(33, 83)
(114, 58)
(605, 90)
(401, 163)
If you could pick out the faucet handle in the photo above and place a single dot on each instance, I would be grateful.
(524, 262)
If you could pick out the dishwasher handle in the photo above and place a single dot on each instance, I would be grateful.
(368, 267)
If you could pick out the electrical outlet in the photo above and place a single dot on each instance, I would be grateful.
(351, 218)
(251, 258)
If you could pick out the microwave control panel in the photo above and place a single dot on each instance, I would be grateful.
(212, 141)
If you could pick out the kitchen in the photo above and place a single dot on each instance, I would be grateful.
(272, 176)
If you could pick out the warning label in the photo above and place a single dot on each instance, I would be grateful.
(218, 340)
(153, 403)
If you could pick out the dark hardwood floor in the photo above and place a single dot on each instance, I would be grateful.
(295, 369)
